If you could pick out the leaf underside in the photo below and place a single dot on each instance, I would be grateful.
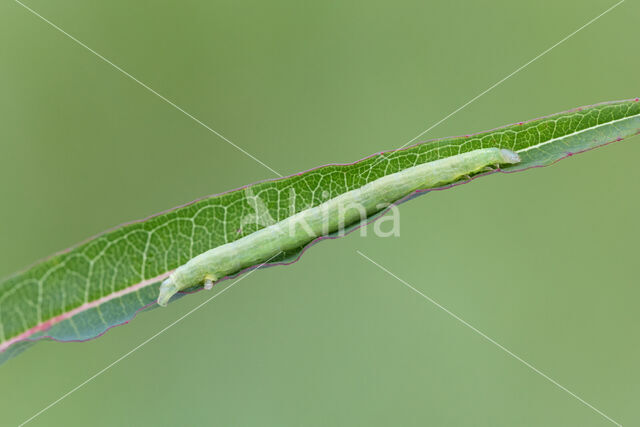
(80, 293)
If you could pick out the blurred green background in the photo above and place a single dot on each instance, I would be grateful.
(543, 262)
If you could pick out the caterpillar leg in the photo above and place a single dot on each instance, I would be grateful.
(170, 287)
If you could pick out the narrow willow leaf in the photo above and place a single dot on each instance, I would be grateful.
(82, 292)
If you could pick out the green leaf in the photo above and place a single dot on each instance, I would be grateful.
(80, 293)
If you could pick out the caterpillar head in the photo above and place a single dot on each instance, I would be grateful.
(509, 156)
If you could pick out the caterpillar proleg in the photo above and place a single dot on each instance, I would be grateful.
(326, 218)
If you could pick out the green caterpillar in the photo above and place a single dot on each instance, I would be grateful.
(331, 216)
